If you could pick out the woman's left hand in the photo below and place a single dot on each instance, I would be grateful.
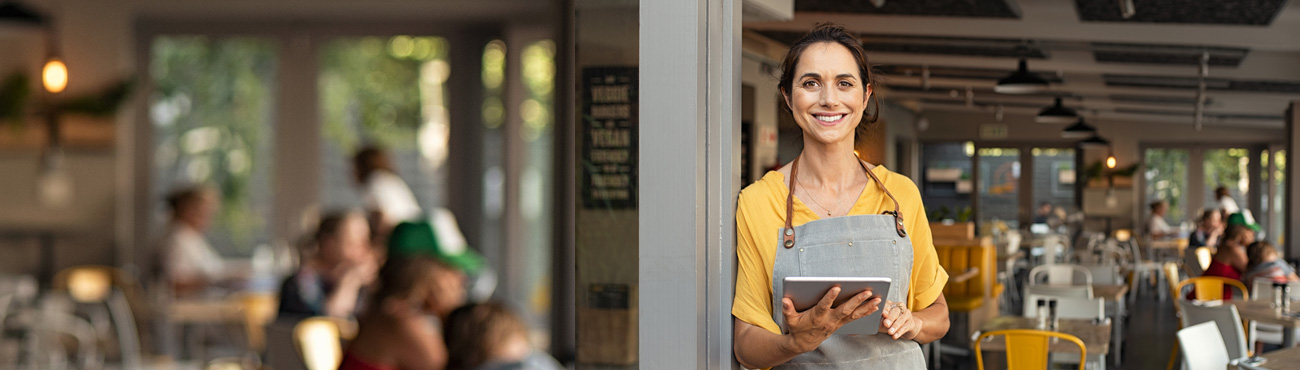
(898, 322)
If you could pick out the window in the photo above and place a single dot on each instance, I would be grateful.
(211, 111)
(1166, 179)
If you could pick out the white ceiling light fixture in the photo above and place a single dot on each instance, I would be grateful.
(1056, 113)
(1021, 81)
(1126, 9)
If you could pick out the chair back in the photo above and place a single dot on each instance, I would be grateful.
(1027, 349)
(319, 342)
(1210, 288)
(1197, 261)
(111, 289)
(1068, 307)
(259, 310)
(1226, 318)
(1202, 347)
(1075, 291)
(1060, 274)
(1262, 289)
(1105, 274)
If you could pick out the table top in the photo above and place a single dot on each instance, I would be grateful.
(1261, 311)
(1095, 337)
(1282, 359)
(1179, 243)
(1110, 292)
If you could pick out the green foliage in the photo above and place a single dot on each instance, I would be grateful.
(211, 109)
(103, 103)
(1166, 178)
(373, 83)
(14, 93)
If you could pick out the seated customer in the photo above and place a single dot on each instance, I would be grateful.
(489, 336)
(1266, 263)
(188, 264)
(1230, 259)
(1209, 227)
(397, 332)
(1156, 225)
(333, 281)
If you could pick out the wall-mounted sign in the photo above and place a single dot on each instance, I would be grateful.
(993, 131)
(609, 137)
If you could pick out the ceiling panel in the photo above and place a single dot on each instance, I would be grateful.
(961, 72)
(1167, 54)
(1210, 115)
(1242, 12)
(939, 8)
(1281, 87)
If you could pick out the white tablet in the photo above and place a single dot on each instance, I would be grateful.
(806, 291)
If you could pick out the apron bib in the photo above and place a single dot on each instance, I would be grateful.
(848, 246)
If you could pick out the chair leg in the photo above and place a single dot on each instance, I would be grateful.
(1173, 357)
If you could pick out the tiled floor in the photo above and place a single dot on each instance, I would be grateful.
(1148, 339)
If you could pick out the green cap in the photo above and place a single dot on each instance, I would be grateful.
(422, 238)
(1240, 219)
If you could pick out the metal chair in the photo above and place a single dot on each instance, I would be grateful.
(1076, 291)
(1028, 349)
(1210, 288)
(1203, 348)
(1060, 274)
(104, 288)
(320, 341)
(1228, 321)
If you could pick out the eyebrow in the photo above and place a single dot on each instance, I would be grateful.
(818, 75)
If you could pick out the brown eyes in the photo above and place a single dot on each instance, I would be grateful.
(814, 83)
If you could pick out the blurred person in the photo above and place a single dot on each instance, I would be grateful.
(1264, 262)
(1157, 227)
(388, 199)
(490, 336)
(1044, 213)
(1225, 201)
(188, 263)
(1229, 260)
(1209, 227)
(333, 281)
(401, 329)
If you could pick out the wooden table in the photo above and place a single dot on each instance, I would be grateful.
(1282, 359)
(1178, 245)
(1260, 311)
(1095, 337)
(1110, 292)
(1114, 293)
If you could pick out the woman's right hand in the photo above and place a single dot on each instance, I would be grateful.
(812, 326)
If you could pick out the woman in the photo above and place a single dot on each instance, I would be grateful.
(333, 281)
(189, 264)
(399, 331)
(386, 196)
(491, 336)
(826, 84)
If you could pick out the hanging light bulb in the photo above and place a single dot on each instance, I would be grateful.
(1110, 161)
(55, 75)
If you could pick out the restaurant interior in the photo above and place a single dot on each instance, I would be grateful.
(255, 184)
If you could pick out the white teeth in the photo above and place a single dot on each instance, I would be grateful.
(830, 118)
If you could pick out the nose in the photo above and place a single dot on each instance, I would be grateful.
(827, 98)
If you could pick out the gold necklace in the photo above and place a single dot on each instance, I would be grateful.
(838, 200)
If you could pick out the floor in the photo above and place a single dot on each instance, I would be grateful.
(1148, 338)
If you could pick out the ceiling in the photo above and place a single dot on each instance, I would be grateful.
(1141, 68)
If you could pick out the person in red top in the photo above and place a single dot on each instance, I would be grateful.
(1230, 258)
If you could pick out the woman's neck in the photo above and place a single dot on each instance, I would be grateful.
(831, 166)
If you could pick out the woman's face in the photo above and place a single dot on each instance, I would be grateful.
(349, 244)
(828, 96)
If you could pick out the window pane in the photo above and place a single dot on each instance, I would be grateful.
(1053, 181)
(1166, 179)
(535, 182)
(1278, 203)
(946, 180)
(999, 186)
(211, 111)
(1227, 168)
(389, 92)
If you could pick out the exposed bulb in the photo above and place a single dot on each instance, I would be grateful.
(54, 75)
(1110, 162)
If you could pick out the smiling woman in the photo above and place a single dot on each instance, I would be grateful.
(826, 84)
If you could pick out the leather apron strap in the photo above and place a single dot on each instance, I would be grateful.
(788, 235)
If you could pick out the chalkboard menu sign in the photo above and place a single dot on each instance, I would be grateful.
(609, 140)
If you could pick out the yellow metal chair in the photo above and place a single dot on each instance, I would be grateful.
(1211, 287)
(1028, 349)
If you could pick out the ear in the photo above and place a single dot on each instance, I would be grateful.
(867, 90)
(785, 95)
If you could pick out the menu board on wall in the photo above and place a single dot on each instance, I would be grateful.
(609, 137)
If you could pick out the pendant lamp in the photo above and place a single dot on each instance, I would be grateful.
(1095, 142)
(1021, 82)
(1079, 130)
(1056, 114)
(17, 14)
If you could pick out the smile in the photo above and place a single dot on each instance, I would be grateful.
(829, 119)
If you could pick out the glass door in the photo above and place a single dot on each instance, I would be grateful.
(1052, 186)
(999, 187)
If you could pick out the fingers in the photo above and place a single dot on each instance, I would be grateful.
(850, 307)
(787, 308)
(824, 305)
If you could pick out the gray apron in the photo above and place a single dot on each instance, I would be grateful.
(861, 245)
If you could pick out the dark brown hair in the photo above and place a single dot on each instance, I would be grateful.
(405, 277)
(473, 330)
(370, 159)
(184, 197)
(1235, 231)
(832, 33)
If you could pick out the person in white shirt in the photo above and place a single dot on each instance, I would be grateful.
(189, 264)
(1156, 225)
(1226, 203)
(384, 194)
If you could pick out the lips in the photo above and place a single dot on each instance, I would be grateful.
(829, 119)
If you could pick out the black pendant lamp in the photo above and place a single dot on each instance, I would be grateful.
(1056, 114)
(1079, 130)
(1095, 142)
(1021, 82)
(17, 14)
